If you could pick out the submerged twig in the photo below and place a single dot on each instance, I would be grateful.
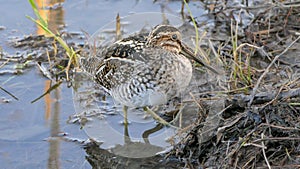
(48, 91)
(9, 93)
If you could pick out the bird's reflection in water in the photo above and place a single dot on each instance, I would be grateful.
(130, 155)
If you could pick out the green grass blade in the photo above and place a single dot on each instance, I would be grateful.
(37, 14)
(195, 25)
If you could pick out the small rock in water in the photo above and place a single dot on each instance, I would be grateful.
(5, 100)
(2, 27)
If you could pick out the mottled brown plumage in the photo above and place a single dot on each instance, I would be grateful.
(144, 70)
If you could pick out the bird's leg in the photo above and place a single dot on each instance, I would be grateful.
(125, 109)
(127, 139)
(157, 117)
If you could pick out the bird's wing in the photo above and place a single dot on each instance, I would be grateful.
(126, 47)
(121, 59)
(117, 70)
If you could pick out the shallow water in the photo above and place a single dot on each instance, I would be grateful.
(32, 135)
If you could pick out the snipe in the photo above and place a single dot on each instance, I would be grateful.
(144, 70)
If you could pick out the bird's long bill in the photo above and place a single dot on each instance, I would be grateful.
(189, 54)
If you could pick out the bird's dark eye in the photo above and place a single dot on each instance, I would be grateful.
(174, 37)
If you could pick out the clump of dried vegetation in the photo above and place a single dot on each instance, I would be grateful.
(259, 128)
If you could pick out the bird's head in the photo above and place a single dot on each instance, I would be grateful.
(167, 37)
